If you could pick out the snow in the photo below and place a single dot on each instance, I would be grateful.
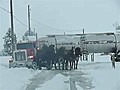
(103, 75)
(54, 84)
(106, 80)
(14, 78)
(98, 75)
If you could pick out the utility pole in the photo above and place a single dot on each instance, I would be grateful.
(29, 18)
(12, 30)
(115, 43)
(83, 31)
(55, 45)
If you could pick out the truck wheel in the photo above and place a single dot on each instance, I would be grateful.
(40, 68)
(9, 66)
(34, 66)
(28, 67)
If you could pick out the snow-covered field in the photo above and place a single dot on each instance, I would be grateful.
(14, 78)
(98, 75)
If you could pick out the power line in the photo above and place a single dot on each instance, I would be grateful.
(4, 9)
(20, 21)
(37, 23)
(31, 19)
(45, 25)
(14, 17)
(52, 27)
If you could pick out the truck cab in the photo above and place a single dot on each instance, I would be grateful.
(24, 55)
(19, 59)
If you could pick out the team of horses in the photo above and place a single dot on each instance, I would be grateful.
(61, 58)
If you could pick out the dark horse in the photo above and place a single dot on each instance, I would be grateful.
(62, 58)
(59, 58)
(45, 57)
(74, 57)
(67, 58)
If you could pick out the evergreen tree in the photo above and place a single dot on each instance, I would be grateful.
(8, 42)
(27, 33)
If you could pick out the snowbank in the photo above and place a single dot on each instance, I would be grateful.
(14, 78)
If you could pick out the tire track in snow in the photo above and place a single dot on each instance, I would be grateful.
(40, 78)
(77, 77)
(72, 84)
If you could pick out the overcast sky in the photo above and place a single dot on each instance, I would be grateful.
(59, 16)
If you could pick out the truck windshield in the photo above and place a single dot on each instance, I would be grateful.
(25, 46)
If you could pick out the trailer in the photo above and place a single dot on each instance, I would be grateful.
(88, 43)
(43, 52)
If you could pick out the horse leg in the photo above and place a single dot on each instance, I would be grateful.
(76, 64)
(63, 62)
(70, 65)
(59, 64)
(55, 65)
(66, 65)
(62, 66)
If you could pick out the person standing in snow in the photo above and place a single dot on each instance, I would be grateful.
(113, 60)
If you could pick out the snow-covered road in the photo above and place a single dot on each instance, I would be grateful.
(40, 78)
(98, 75)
